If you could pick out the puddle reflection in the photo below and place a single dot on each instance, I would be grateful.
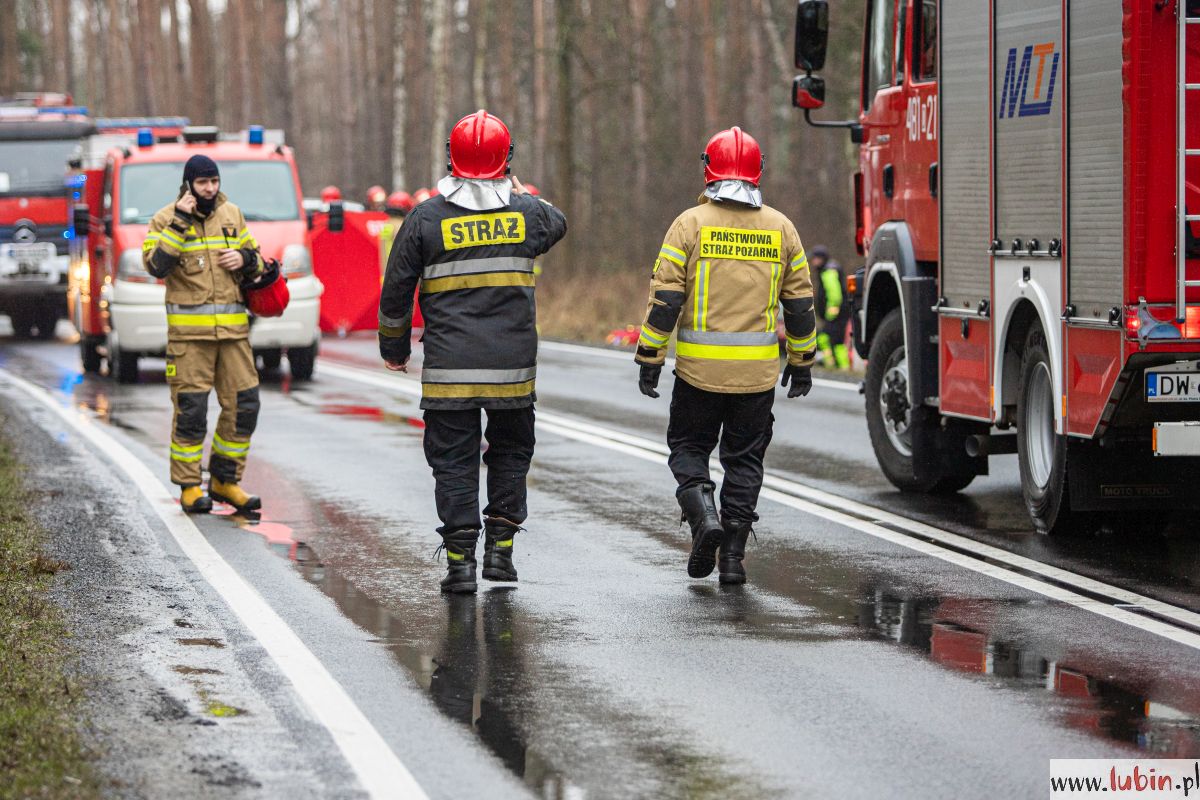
(947, 631)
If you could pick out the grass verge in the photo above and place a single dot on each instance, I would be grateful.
(40, 750)
(586, 306)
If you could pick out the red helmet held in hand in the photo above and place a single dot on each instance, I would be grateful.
(479, 147)
(399, 203)
(733, 155)
(268, 295)
(330, 193)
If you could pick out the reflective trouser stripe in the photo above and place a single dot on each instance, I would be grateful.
(187, 452)
(724, 352)
(228, 448)
(433, 375)
(476, 266)
(476, 389)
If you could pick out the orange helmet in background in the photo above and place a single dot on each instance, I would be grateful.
(399, 203)
(479, 147)
(733, 155)
(330, 194)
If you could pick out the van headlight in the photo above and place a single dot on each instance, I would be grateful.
(130, 268)
(297, 261)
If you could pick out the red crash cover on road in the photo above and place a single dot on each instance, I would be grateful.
(350, 264)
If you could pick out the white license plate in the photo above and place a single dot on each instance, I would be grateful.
(1172, 386)
(28, 253)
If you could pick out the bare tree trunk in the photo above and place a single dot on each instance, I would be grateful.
(564, 179)
(399, 118)
(641, 135)
(479, 19)
(417, 105)
(541, 90)
(438, 53)
(176, 59)
(277, 109)
(202, 69)
(708, 68)
(505, 87)
(10, 55)
(59, 45)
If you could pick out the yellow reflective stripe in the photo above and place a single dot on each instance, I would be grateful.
(706, 267)
(728, 352)
(505, 543)
(673, 255)
(172, 237)
(773, 296)
(228, 448)
(209, 320)
(187, 452)
(393, 333)
(476, 389)
(453, 556)
(455, 282)
(799, 261)
(803, 344)
(653, 339)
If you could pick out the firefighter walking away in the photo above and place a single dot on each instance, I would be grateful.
(470, 248)
(725, 268)
(200, 247)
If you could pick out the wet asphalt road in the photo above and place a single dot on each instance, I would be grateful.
(849, 666)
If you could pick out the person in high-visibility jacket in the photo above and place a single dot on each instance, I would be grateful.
(725, 268)
(200, 246)
(832, 308)
(470, 249)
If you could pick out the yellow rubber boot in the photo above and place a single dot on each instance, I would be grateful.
(193, 500)
(233, 494)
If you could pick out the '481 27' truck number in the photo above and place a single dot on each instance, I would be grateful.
(921, 118)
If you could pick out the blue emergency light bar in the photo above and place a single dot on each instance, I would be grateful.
(145, 137)
(81, 110)
(108, 123)
(256, 134)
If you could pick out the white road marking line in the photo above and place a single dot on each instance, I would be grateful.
(378, 769)
(627, 356)
(818, 503)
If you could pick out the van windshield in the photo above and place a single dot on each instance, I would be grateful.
(263, 190)
(35, 165)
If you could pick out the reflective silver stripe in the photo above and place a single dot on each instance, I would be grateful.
(729, 339)
(478, 375)
(393, 322)
(474, 266)
(207, 308)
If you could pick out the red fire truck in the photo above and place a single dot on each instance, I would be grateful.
(1028, 176)
(39, 133)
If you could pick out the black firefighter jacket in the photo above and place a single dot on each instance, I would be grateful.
(475, 271)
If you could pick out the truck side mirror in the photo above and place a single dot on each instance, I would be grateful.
(337, 217)
(81, 220)
(808, 91)
(812, 34)
(108, 225)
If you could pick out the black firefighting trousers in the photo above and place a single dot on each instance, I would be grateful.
(740, 423)
(452, 440)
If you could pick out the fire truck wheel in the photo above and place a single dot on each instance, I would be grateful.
(22, 323)
(1041, 451)
(122, 366)
(45, 319)
(302, 360)
(890, 417)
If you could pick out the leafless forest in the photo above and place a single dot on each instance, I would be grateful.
(610, 101)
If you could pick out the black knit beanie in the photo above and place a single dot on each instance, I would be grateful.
(200, 166)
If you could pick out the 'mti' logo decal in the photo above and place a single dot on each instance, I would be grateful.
(1014, 97)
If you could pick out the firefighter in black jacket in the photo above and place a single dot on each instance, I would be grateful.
(471, 250)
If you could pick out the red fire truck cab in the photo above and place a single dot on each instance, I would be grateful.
(1028, 176)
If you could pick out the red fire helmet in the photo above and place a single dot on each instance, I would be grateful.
(479, 147)
(399, 201)
(376, 195)
(421, 195)
(269, 295)
(733, 155)
(330, 193)
(533, 190)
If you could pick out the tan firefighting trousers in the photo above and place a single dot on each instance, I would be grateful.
(194, 368)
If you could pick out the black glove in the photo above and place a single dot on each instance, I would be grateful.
(801, 380)
(648, 380)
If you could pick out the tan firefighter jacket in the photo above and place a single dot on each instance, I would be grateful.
(722, 274)
(204, 300)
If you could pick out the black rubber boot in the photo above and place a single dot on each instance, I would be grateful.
(498, 549)
(733, 550)
(700, 510)
(460, 561)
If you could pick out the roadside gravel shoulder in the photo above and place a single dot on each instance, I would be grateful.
(178, 701)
